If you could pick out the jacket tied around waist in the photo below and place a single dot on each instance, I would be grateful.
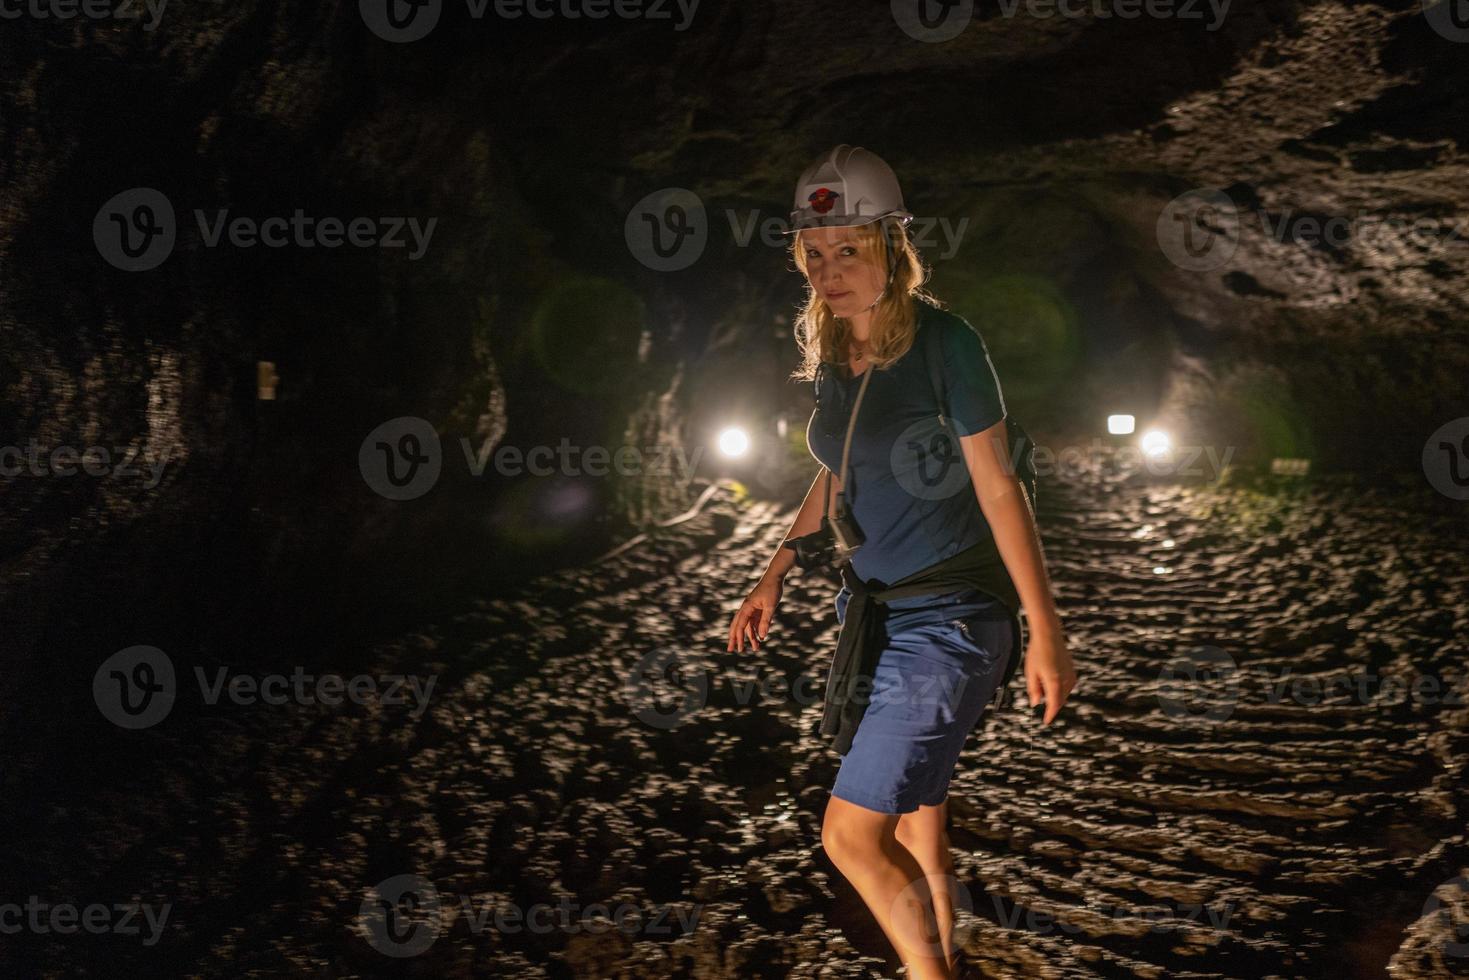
(862, 637)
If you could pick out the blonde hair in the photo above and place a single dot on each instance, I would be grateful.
(822, 335)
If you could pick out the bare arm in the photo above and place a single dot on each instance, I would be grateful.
(1049, 673)
(808, 520)
(752, 622)
(1002, 500)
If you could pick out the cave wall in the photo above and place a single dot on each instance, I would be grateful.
(1056, 143)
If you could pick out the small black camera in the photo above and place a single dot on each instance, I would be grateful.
(834, 544)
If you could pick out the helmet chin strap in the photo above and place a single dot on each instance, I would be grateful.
(887, 249)
(892, 268)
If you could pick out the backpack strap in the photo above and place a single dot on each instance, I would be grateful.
(933, 359)
(1020, 443)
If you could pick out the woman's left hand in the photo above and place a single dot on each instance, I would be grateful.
(1049, 672)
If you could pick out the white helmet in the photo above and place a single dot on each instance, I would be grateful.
(847, 186)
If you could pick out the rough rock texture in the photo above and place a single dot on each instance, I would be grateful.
(1056, 145)
(1053, 142)
(592, 742)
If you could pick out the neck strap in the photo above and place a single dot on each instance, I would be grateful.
(887, 249)
(847, 443)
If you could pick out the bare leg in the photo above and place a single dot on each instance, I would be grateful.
(924, 832)
(861, 843)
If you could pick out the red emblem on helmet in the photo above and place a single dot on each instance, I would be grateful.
(823, 199)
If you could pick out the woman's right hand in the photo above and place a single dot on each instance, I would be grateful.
(752, 622)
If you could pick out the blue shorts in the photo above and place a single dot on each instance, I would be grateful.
(931, 685)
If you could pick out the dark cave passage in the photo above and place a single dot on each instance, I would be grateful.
(398, 402)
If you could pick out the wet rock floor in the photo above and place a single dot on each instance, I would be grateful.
(1246, 782)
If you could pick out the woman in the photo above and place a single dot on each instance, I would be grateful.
(943, 655)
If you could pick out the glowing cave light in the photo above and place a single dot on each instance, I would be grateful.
(1155, 442)
(733, 441)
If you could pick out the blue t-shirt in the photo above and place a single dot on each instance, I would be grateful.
(907, 484)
